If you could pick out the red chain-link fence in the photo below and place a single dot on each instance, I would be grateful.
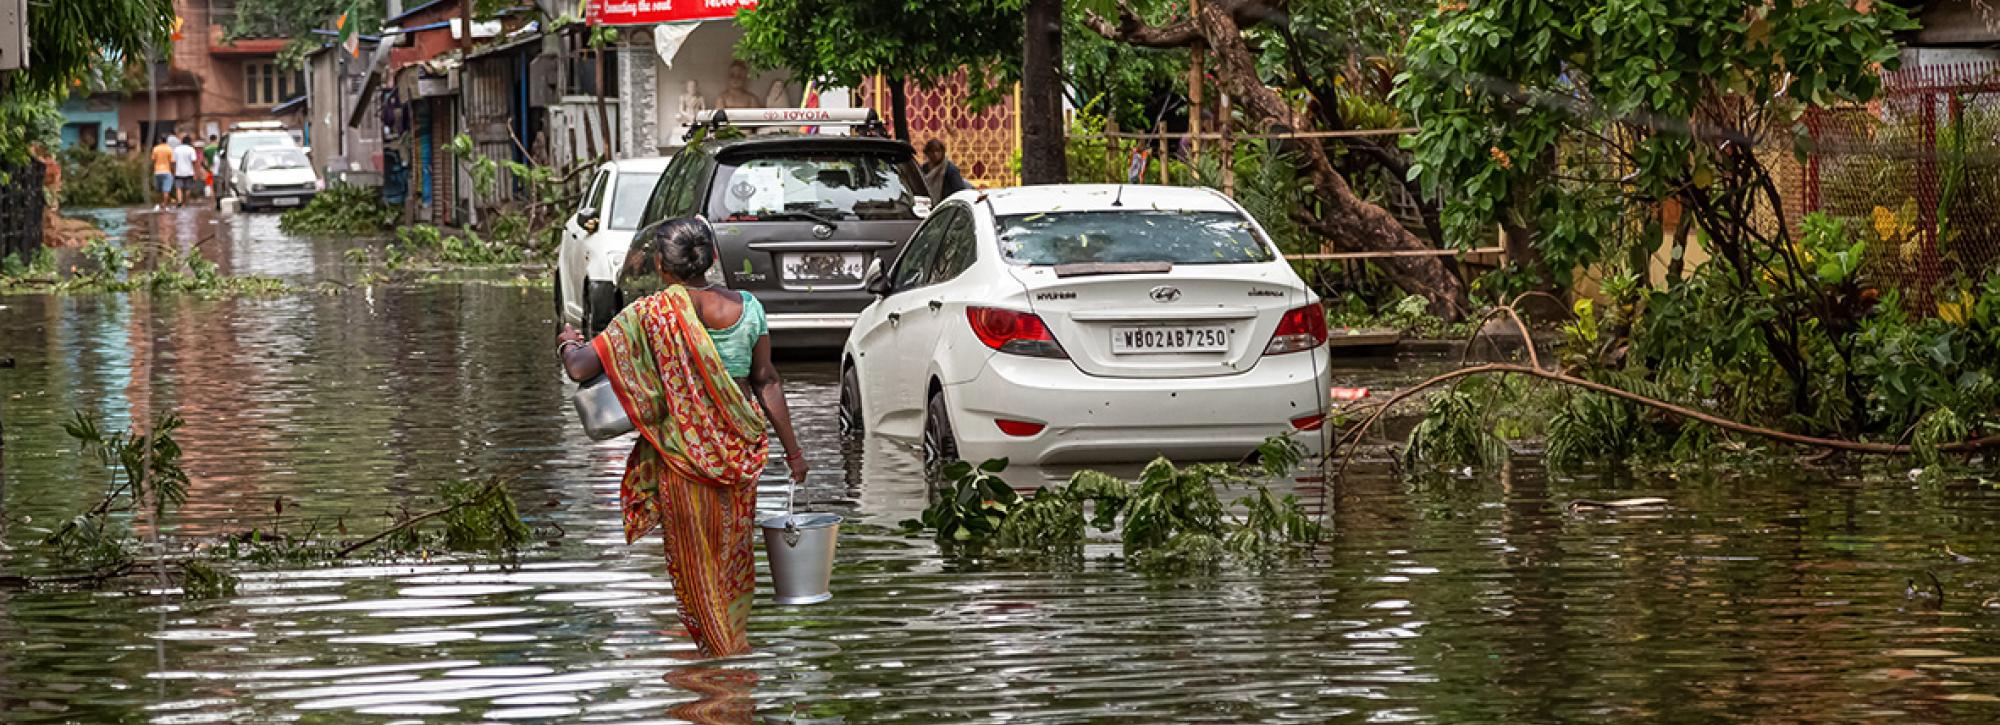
(1917, 174)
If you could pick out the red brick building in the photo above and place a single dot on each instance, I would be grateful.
(209, 83)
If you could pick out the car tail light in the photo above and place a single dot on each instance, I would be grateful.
(1015, 333)
(1309, 422)
(1301, 329)
(1019, 428)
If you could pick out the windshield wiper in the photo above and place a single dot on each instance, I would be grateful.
(810, 216)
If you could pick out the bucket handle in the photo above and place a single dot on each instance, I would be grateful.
(791, 534)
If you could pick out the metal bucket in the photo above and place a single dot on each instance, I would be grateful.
(800, 547)
(598, 407)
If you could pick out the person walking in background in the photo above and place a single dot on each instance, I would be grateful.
(940, 174)
(186, 161)
(208, 152)
(163, 171)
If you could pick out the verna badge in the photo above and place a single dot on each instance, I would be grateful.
(822, 232)
(1164, 293)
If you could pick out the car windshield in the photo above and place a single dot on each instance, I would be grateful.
(1083, 237)
(278, 159)
(244, 143)
(628, 198)
(814, 186)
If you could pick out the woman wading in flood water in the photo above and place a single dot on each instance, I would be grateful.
(681, 361)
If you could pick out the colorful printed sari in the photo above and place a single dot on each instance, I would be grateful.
(694, 471)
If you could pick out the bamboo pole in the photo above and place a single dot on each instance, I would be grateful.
(1362, 133)
(1228, 147)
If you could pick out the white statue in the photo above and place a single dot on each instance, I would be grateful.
(778, 97)
(691, 102)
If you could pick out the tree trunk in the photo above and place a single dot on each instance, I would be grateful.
(899, 106)
(1042, 157)
(1350, 220)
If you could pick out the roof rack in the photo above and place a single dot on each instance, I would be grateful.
(864, 120)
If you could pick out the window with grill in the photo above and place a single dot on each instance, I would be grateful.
(265, 84)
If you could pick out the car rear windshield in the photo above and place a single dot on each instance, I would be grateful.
(278, 159)
(1178, 237)
(628, 199)
(831, 186)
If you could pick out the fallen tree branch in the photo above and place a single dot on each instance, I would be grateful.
(1351, 441)
(491, 488)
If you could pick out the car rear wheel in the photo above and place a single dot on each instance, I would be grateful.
(940, 445)
(850, 402)
(560, 322)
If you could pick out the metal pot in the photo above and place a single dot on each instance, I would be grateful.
(598, 407)
(800, 548)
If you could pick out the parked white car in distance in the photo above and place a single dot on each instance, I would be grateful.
(1056, 325)
(595, 239)
(276, 177)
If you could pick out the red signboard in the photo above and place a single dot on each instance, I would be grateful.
(653, 12)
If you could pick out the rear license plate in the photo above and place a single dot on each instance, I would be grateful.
(827, 268)
(1179, 338)
(285, 201)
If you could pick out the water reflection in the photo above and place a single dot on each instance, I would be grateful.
(1762, 595)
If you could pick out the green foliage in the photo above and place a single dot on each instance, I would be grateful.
(107, 268)
(68, 42)
(94, 178)
(145, 476)
(973, 505)
(1172, 519)
(845, 42)
(341, 210)
(481, 517)
(529, 222)
(423, 246)
(1454, 433)
(201, 580)
(1408, 314)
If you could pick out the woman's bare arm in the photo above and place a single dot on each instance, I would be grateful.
(771, 389)
(579, 361)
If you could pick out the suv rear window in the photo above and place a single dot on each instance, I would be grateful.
(794, 186)
(1179, 237)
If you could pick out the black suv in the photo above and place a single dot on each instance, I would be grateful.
(798, 218)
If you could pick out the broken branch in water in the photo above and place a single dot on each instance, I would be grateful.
(1351, 441)
(491, 489)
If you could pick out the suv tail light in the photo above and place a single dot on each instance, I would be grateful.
(1015, 333)
(1301, 329)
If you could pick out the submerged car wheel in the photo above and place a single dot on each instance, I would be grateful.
(850, 402)
(560, 322)
(940, 446)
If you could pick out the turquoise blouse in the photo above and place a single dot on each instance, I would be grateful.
(738, 343)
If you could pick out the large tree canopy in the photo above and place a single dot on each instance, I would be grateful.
(66, 42)
(1556, 117)
(1237, 34)
(846, 42)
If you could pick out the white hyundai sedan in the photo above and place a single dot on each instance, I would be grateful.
(1056, 325)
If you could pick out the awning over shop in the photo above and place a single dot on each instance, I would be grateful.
(655, 12)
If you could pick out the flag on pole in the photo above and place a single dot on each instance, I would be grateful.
(810, 100)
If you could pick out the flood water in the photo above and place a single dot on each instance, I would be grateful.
(1768, 595)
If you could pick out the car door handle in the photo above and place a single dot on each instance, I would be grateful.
(937, 305)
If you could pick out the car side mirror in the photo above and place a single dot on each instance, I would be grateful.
(875, 281)
(587, 218)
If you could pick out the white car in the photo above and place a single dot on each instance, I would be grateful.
(1056, 325)
(595, 239)
(276, 177)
